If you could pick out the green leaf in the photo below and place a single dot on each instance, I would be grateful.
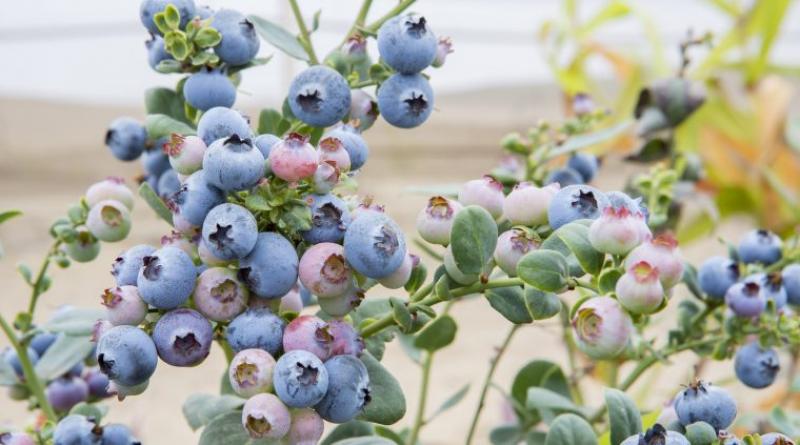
(572, 430)
(450, 402)
(8, 376)
(541, 305)
(160, 125)
(607, 281)
(538, 373)
(164, 101)
(169, 66)
(226, 429)
(75, 322)
(176, 44)
(63, 355)
(269, 122)
(505, 435)
(160, 19)
(172, 16)
(576, 236)
(545, 270)
(544, 400)
(258, 61)
(90, 410)
(366, 440)
(473, 239)
(207, 37)
(279, 37)
(437, 334)
(623, 416)
(701, 433)
(25, 271)
(8, 214)
(555, 243)
(783, 423)
(388, 404)
(510, 303)
(401, 314)
(200, 409)
(582, 141)
(315, 21)
(149, 195)
(353, 428)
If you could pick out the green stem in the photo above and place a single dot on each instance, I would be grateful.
(364, 83)
(571, 353)
(584, 284)
(402, 6)
(37, 285)
(226, 348)
(31, 379)
(421, 292)
(360, 19)
(423, 399)
(488, 381)
(305, 36)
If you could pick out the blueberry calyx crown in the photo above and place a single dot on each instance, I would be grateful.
(387, 241)
(224, 292)
(751, 289)
(309, 374)
(221, 236)
(656, 435)
(417, 104)
(439, 207)
(152, 267)
(296, 139)
(416, 26)
(186, 344)
(310, 100)
(235, 139)
(585, 202)
(328, 215)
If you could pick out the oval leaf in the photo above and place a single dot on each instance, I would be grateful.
(576, 236)
(157, 204)
(279, 37)
(160, 125)
(63, 355)
(164, 101)
(572, 430)
(473, 239)
(510, 303)
(545, 270)
(353, 428)
(624, 418)
(200, 409)
(387, 404)
(538, 373)
(541, 305)
(437, 334)
(226, 429)
(77, 322)
(366, 440)
(542, 399)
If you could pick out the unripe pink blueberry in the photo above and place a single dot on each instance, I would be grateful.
(331, 149)
(443, 48)
(400, 276)
(601, 328)
(326, 177)
(112, 188)
(185, 153)
(264, 416)
(454, 272)
(324, 271)
(527, 204)
(183, 226)
(99, 328)
(109, 221)
(435, 221)
(250, 372)
(291, 302)
(662, 253)
(618, 231)
(306, 429)
(343, 304)
(219, 295)
(639, 289)
(363, 109)
(293, 158)
(180, 241)
(346, 340)
(309, 333)
(124, 306)
(512, 245)
(208, 258)
(486, 192)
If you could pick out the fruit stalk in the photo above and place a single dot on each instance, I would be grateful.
(36, 286)
(305, 37)
(402, 6)
(419, 420)
(359, 21)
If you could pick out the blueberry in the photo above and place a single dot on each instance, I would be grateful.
(154, 160)
(353, 143)
(125, 268)
(308, 333)
(760, 246)
(10, 438)
(324, 271)
(265, 142)
(270, 270)
(240, 43)
(124, 305)
(127, 355)
(209, 88)
(454, 272)
(662, 253)
(348, 389)
(716, 275)
(329, 219)
(12, 359)
(168, 184)
(512, 245)
(167, 278)
(183, 337)
(293, 158)
(221, 122)
(374, 245)
(485, 192)
(755, 366)
(109, 221)
(156, 51)
(776, 439)
(575, 202)
(363, 109)
(195, 199)
(527, 204)
(265, 416)
(564, 177)
(405, 100)
(126, 138)
(113, 188)
(791, 282)
(185, 153)
(746, 299)
(346, 340)
(331, 151)
(76, 430)
(601, 328)
(703, 402)
(586, 164)
(230, 231)
(402, 274)
(657, 435)
(771, 286)
(219, 295)
(149, 8)
(233, 164)
(319, 96)
(65, 392)
(341, 305)
(118, 434)
(42, 341)
(307, 427)
(250, 372)
(300, 379)
(256, 328)
(326, 177)
(98, 383)
(407, 44)
(291, 302)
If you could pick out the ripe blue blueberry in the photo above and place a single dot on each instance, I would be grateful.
(791, 282)
(760, 246)
(329, 219)
(154, 160)
(270, 270)
(98, 383)
(264, 143)
(240, 42)
(755, 366)
(407, 44)
(156, 51)
(657, 435)
(76, 430)
(209, 88)
(12, 359)
(42, 341)
(125, 268)
(166, 279)
(168, 184)
(353, 143)
(300, 379)
(575, 202)
(183, 337)
(585, 164)
(374, 245)
(256, 328)
(746, 299)
(348, 389)
(771, 286)
(230, 231)
(149, 8)
(716, 275)
(126, 138)
(221, 122)
(703, 402)
(195, 199)
(319, 96)
(405, 100)
(233, 164)
(65, 392)
(118, 434)
(126, 355)
(564, 177)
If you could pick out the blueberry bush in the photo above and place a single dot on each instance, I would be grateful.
(270, 256)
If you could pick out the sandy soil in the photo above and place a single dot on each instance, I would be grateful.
(49, 154)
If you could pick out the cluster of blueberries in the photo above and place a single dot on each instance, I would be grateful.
(581, 168)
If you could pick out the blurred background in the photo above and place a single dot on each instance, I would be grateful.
(72, 67)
